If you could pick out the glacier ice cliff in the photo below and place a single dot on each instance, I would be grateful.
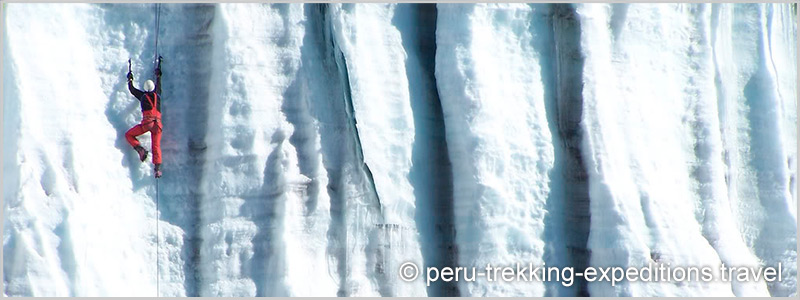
(311, 149)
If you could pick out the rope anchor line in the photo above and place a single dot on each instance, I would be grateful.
(158, 246)
(158, 233)
(158, 27)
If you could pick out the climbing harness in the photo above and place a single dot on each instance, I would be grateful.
(153, 113)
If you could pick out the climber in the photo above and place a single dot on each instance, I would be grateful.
(150, 101)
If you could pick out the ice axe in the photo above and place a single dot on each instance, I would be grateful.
(130, 74)
(158, 67)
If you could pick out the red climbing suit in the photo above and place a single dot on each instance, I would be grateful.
(151, 120)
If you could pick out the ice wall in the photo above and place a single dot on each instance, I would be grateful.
(372, 59)
(312, 149)
(489, 77)
(274, 147)
(79, 215)
(674, 163)
(253, 219)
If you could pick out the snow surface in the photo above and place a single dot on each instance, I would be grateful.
(312, 149)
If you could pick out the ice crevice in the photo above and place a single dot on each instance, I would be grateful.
(431, 172)
(381, 222)
(361, 209)
(565, 109)
(341, 64)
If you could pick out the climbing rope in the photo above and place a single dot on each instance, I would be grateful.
(158, 26)
(158, 246)
(158, 236)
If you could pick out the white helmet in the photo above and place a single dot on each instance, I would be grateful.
(149, 86)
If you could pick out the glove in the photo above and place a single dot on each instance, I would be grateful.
(158, 71)
(130, 76)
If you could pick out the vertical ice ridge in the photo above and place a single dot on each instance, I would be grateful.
(769, 161)
(734, 62)
(269, 266)
(345, 181)
(314, 218)
(341, 64)
(498, 138)
(753, 105)
(609, 219)
(358, 210)
(713, 213)
(371, 60)
(300, 268)
(306, 140)
(641, 196)
(252, 216)
(322, 93)
(782, 48)
(13, 246)
(216, 280)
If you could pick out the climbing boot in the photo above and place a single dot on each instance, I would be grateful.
(158, 171)
(141, 151)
